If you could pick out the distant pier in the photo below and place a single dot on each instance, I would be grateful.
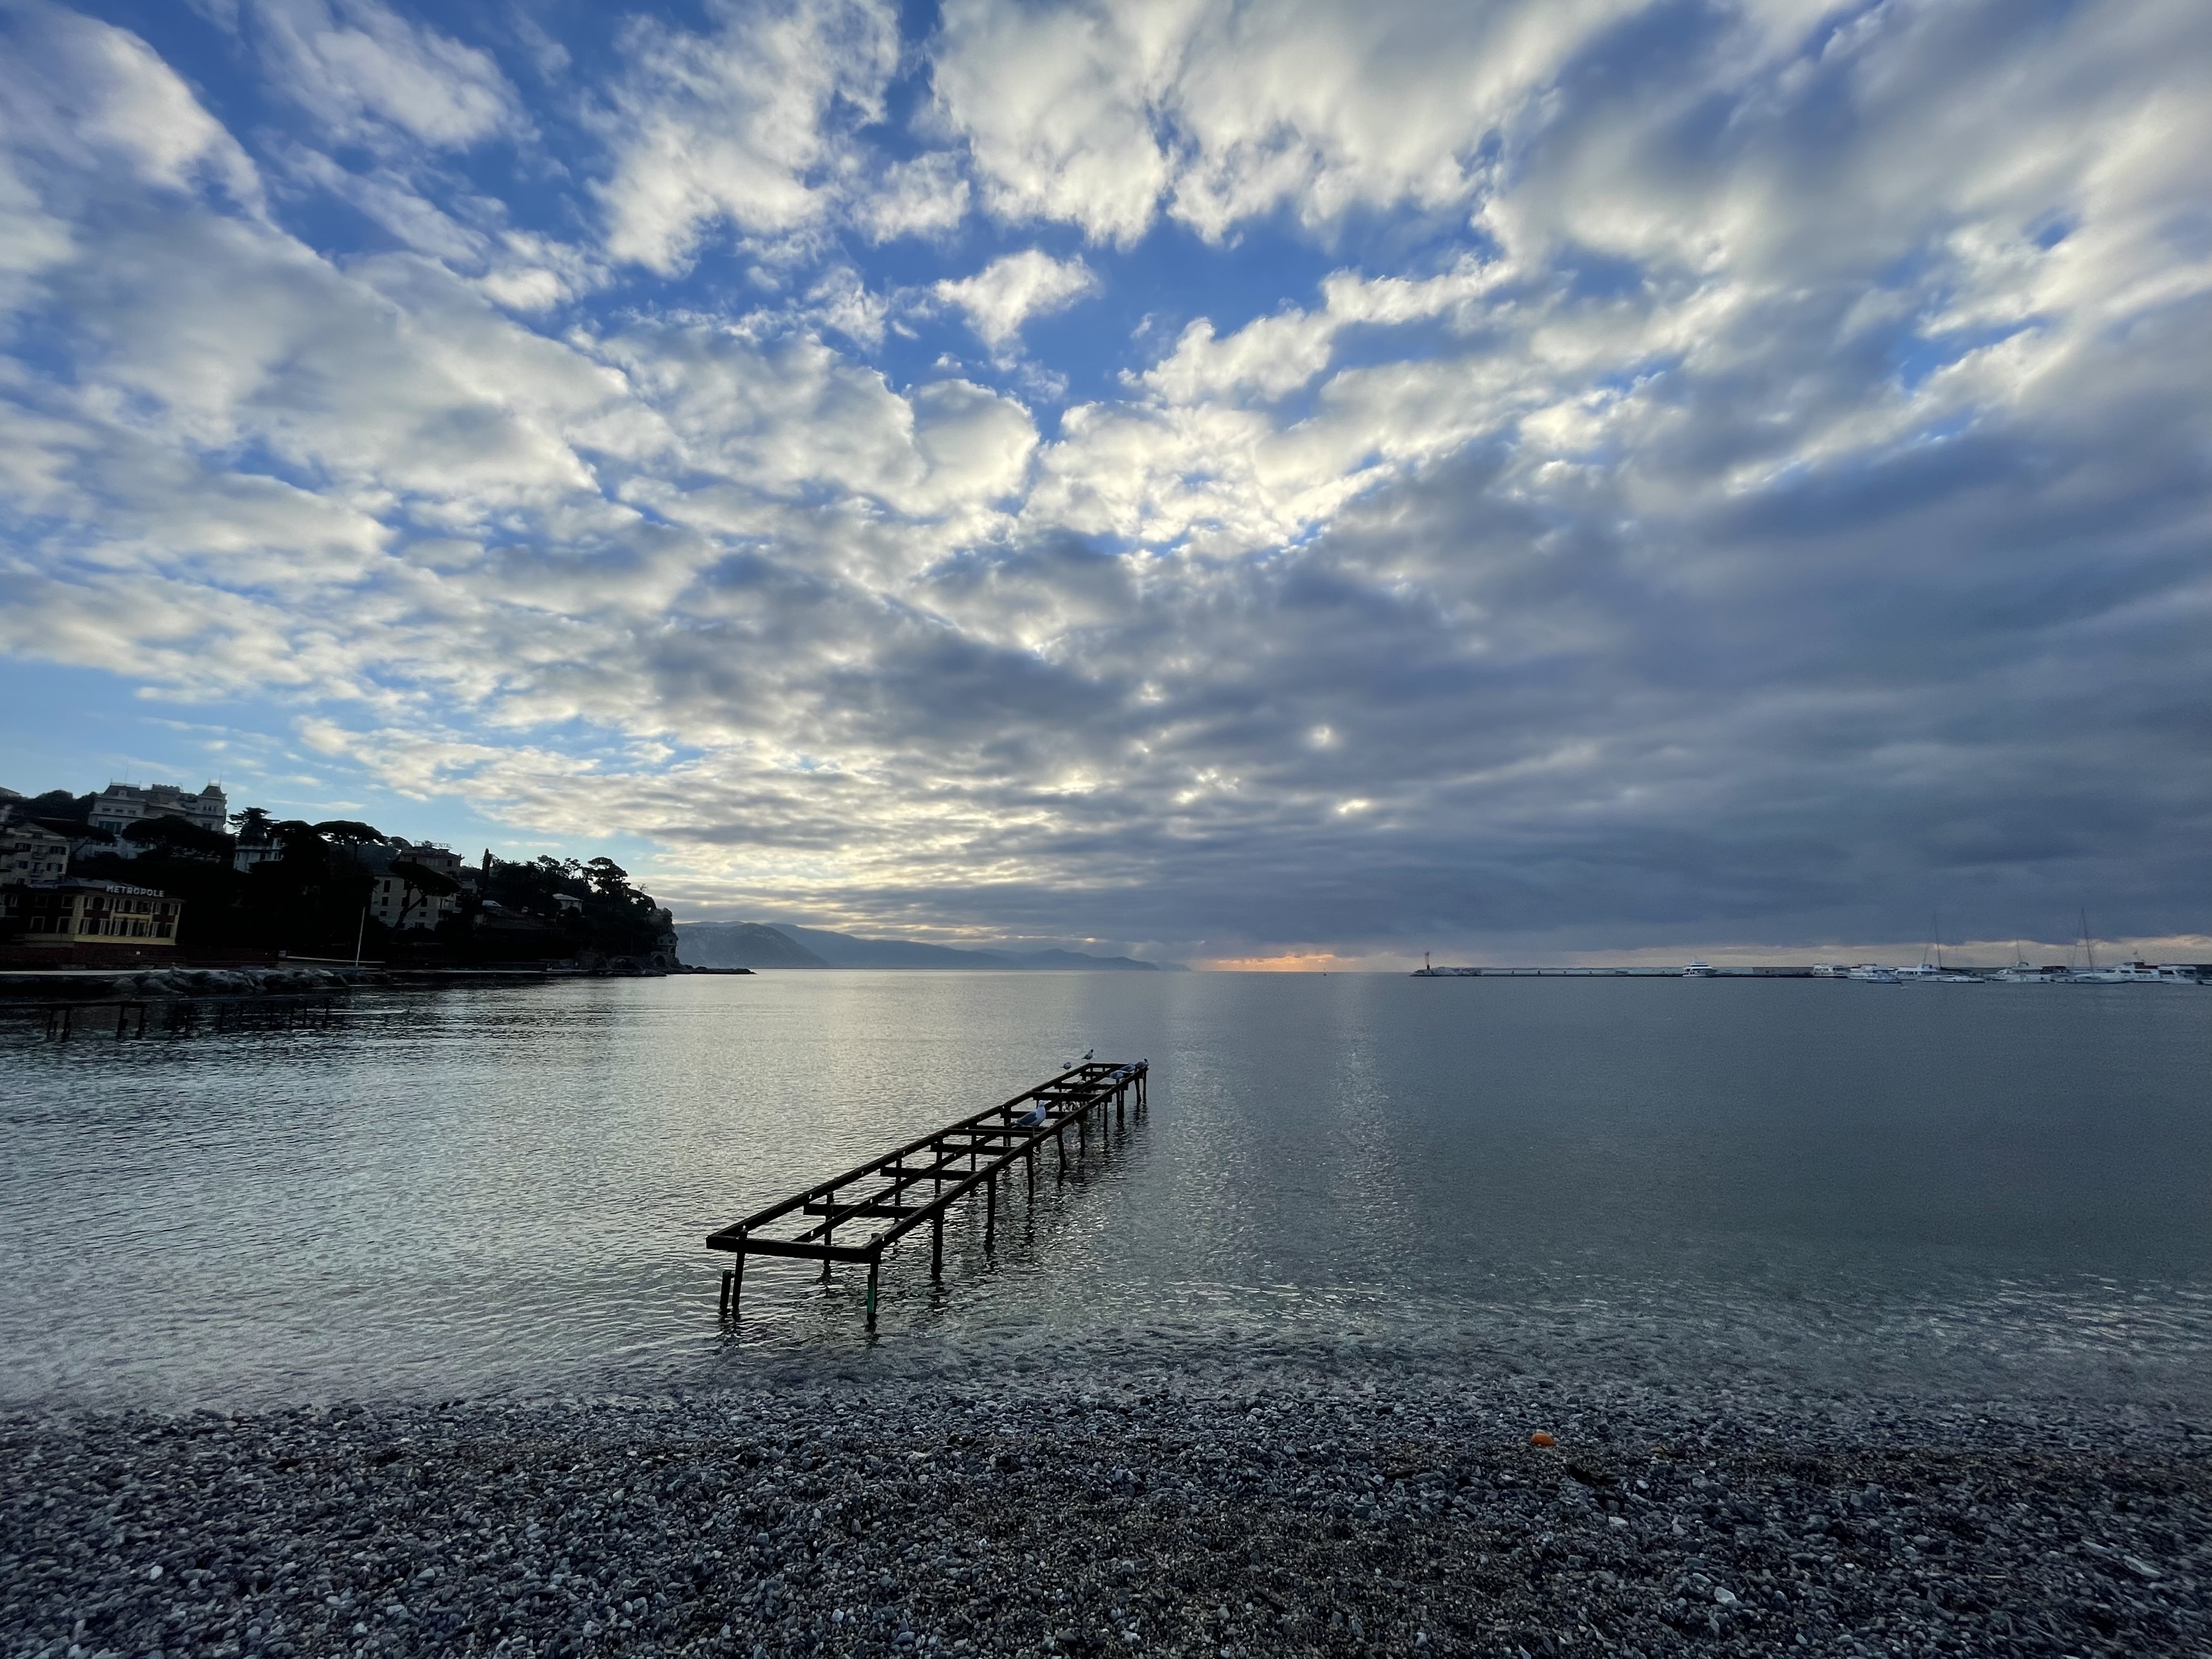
(881, 1201)
(1609, 973)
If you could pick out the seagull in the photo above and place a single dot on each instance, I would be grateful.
(1087, 1053)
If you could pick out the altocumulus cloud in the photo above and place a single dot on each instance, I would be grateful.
(1521, 477)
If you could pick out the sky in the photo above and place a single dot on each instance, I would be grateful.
(1283, 484)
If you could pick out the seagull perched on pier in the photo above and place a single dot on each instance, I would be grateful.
(1087, 1053)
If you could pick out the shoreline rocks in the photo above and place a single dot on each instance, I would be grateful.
(1127, 1510)
(136, 984)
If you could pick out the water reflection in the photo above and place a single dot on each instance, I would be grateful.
(509, 1187)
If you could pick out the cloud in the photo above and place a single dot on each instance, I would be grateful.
(1006, 293)
(745, 124)
(1054, 102)
(1272, 356)
(89, 97)
(1103, 116)
(362, 70)
(1606, 475)
(926, 196)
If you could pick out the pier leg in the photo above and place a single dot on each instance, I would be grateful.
(937, 1245)
(1059, 1148)
(142, 1020)
(122, 1018)
(737, 1280)
(871, 1295)
(1121, 1102)
(1029, 1160)
(991, 1213)
(726, 1277)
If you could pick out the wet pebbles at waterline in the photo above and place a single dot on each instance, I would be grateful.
(1112, 1512)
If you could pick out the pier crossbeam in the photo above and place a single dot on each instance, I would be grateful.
(919, 1182)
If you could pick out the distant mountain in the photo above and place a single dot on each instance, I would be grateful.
(741, 945)
(845, 951)
(750, 944)
(1076, 959)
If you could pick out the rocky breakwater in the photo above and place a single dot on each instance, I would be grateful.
(136, 985)
(1130, 1514)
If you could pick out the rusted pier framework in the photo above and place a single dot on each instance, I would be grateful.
(918, 1183)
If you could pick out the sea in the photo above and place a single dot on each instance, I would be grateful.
(1981, 1189)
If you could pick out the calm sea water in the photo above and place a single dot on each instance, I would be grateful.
(1803, 1183)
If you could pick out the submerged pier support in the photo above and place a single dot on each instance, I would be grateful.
(922, 1180)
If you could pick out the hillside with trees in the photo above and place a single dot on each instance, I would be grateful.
(309, 893)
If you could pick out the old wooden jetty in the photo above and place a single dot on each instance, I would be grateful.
(881, 1201)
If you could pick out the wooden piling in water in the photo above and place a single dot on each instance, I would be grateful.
(920, 1181)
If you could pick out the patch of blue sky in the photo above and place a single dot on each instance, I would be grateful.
(1380, 345)
(92, 728)
(1915, 356)
(1146, 296)
(89, 728)
(1588, 274)
(2053, 229)
(68, 725)
(907, 98)
(1955, 424)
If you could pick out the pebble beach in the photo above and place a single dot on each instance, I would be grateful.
(1114, 1510)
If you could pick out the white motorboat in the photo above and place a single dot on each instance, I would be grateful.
(1830, 970)
(2126, 973)
(1873, 973)
(1935, 973)
(1701, 970)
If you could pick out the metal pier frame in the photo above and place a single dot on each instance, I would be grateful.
(953, 1162)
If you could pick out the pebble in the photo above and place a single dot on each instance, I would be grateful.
(1140, 1512)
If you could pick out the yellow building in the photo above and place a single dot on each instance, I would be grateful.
(89, 912)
